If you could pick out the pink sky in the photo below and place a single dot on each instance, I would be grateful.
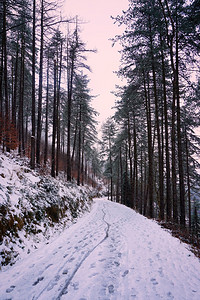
(96, 33)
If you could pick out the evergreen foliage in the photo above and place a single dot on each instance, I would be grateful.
(157, 112)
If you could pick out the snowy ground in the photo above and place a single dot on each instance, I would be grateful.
(111, 253)
(34, 208)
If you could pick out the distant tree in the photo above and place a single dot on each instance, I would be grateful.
(108, 134)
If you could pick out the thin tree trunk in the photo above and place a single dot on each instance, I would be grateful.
(39, 119)
(82, 160)
(15, 86)
(74, 143)
(4, 42)
(150, 151)
(69, 106)
(46, 116)
(53, 158)
(180, 155)
(121, 173)
(141, 184)
(32, 162)
(79, 149)
(135, 172)
(168, 182)
(111, 171)
(1, 83)
(132, 177)
(188, 179)
(58, 114)
(21, 103)
(161, 191)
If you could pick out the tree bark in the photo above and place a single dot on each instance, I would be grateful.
(150, 150)
(53, 151)
(32, 162)
(46, 116)
(58, 113)
(161, 190)
(39, 119)
(168, 182)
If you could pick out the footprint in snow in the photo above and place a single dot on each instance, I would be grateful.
(10, 289)
(93, 275)
(134, 293)
(102, 259)
(92, 266)
(75, 286)
(71, 259)
(151, 261)
(38, 280)
(111, 289)
(170, 296)
(153, 280)
(160, 271)
(125, 273)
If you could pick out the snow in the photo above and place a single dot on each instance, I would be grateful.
(110, 253)
(28, 201)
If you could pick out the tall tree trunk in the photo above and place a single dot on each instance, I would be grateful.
(53, 150)
(82, 160)
(168, 182)
(4, 42)
(160, 162)
(69, 106)
(142, 184)
(39, 119)
(46, 116)
(79, 149)
(121, 173)
(170, 42)
(32, 161)
(135, 172)
(21, 103)
(150, 150)
(111, 171)
(74, 143)
(188, 179)
(15, 85)
(179, 138)
(132, 178)
(58, 113)
(1, 82)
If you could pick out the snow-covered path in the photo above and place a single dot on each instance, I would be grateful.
(111, 253)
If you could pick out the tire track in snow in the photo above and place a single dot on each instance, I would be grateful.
(64, 290)
(87, 254)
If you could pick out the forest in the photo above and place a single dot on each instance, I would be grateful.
(152, 142)
(45, 102)
(150, 148)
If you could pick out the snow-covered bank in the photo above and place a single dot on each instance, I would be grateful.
(112, 253)
(34, 207)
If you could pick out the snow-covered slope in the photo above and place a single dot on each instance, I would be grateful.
(34, 207)
(112, 253)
